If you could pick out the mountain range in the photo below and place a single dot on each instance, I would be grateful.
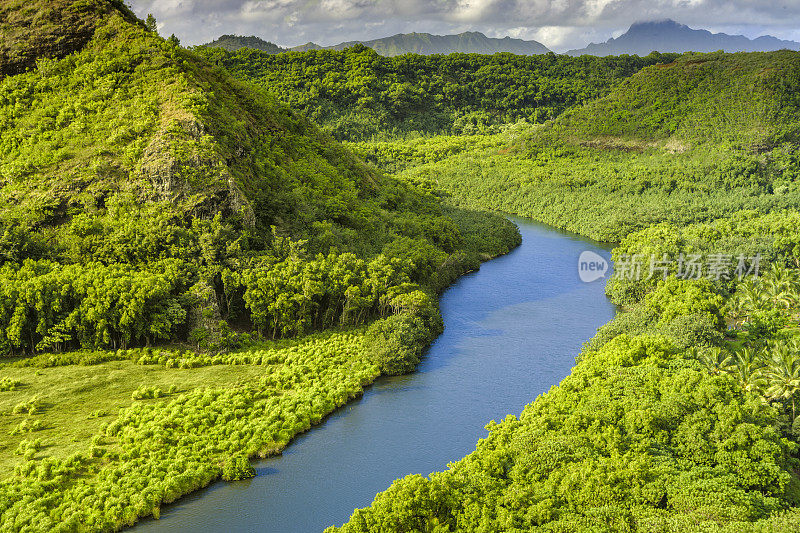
(670, 36)
(640, 39)
(403, 43)
(470, 42)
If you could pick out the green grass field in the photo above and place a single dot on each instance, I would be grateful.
(77, 400)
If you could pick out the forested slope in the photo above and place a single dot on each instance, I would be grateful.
(693, 140)
(357, 94)
(191, 273)
(133, 151)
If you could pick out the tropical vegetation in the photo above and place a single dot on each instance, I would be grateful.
(681, 413)
(358, 95)
(192, 271)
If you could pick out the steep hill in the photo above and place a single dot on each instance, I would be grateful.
(236, 42)
(670, 36)
(129, 115)
(132, 150)
(470, 42)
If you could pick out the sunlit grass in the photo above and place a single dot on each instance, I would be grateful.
(78, 400)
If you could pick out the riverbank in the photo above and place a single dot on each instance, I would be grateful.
(679, 416)
(511, 332)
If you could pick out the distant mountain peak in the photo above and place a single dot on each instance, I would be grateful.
(236, 42)
(667, 35)
(305, 47)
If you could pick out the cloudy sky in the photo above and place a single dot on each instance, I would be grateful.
(558, 24)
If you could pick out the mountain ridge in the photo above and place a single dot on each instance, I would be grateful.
(470, 42)
(641, 38)
(671, 36)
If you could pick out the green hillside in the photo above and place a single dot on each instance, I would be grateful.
(132, 128)
(693, 140)
(134, 119)
(744, 100)
(191, 273)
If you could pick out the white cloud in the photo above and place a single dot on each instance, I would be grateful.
(555, 37)
(473, 10)
(559, 24)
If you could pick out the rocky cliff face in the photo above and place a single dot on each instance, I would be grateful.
(165, 168)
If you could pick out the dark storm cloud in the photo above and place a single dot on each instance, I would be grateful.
(560, 24)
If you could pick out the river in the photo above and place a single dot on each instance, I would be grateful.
(512, 330)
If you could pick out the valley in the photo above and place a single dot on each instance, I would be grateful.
(231, 269)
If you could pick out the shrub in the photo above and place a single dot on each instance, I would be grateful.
(8, 384)
(237, 469)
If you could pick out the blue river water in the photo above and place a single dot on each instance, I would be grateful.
(512, 330)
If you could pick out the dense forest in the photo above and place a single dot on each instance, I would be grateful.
(193, 270)
(358, 95)
(693, 140)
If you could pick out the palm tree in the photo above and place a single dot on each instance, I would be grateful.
(716, 360)
(738, 310)
(781, 286)
(749, 362)
(778, 294)
(752, 295)
(783, 373)
(779, 273)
